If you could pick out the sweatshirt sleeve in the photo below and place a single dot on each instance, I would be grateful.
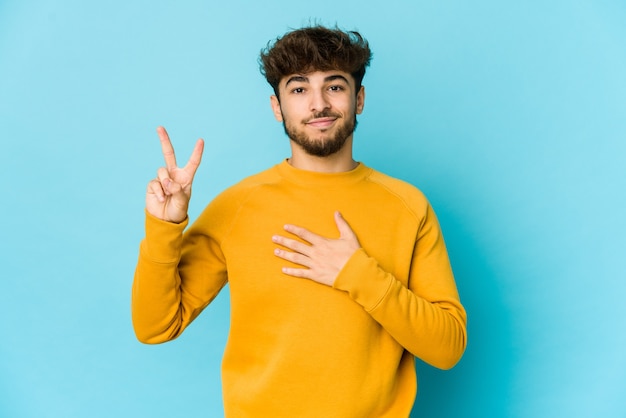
(177, 276)
(426, 317)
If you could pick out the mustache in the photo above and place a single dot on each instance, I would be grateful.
(323, 114)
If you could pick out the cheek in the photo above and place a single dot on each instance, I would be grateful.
(289, 114)
(348, 106)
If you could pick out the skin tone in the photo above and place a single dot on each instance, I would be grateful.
(322, 258)
(305, 96)
(167, 197)
(317, 106)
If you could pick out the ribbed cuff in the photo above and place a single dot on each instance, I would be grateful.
(163, 239)
(364, 280)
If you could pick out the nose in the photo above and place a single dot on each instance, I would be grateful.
(319, 101)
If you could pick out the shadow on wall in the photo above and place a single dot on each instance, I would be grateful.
(480, 384)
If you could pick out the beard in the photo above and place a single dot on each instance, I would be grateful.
(322, 147)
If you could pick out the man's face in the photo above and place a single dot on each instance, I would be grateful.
(318, 110)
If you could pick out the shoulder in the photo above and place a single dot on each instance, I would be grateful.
(401, 190)
(410, 197)
(221, 212)
(235, 195)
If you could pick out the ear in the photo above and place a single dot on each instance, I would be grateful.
(275, 103)
(360, 100)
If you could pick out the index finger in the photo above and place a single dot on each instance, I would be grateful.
(167, 148)
(303, 233)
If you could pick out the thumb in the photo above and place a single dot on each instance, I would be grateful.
(344, 229)
(171, 187)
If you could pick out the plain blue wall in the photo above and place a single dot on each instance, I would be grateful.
(510, 116)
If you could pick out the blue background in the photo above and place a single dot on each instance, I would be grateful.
(510, 116)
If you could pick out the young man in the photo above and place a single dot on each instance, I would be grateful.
(338, 274)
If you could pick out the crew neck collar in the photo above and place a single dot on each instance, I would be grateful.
(311, 178)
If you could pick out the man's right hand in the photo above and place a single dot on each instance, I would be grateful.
(168, 195)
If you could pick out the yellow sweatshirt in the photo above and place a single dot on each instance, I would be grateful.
(297, 348)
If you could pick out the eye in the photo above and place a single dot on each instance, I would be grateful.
(298, 90)
(336, 88)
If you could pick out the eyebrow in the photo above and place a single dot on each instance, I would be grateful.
(304, 79)
(297, 78)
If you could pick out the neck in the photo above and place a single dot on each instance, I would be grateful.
(338, 162)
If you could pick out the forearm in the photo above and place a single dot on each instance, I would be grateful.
(176, 277)
(431, 325)
(156, 302)
(156, 296)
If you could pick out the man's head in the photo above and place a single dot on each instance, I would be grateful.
(316, 74)
(315, 48)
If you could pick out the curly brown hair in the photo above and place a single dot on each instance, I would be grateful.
(315, 48)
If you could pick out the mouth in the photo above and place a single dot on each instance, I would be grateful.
(321, 123)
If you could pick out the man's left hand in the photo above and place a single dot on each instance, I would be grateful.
(322, 258)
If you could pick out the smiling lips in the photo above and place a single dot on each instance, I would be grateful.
(321, 122)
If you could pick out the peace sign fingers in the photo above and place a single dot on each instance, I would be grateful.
(170, 156)
(168, 195)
